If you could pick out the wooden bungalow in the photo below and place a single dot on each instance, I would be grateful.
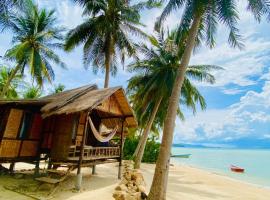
(80, 127)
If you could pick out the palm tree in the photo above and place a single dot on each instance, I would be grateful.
(36, 34)
(152, 87)
(106, 33)
(7, 7)
(199, 22)
(12, 88)
(32, 92)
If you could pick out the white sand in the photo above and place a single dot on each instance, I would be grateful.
(185, 183)
(188, 183)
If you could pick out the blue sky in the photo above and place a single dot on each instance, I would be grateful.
(238, 104)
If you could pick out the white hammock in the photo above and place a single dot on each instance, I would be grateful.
(100, 136)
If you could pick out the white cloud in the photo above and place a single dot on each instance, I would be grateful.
(239, 66)
(267, 136)
(232, 91)
(266, 76)
(69, 13)
(238, 120)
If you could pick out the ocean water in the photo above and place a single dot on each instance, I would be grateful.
(255, 162)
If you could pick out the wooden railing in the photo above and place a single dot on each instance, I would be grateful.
(90, 153)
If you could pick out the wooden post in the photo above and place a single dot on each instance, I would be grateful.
(37, 166)
(79, 174)
(121, 150)
(94, 169)
(49, 164)
(11, 167)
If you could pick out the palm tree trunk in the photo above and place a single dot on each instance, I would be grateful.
(138, 158)
(139, 144)
(107, 70)
(108, 55)
(10, 78)
(159, 184)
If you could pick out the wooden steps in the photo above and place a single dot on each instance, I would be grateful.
(48, 180)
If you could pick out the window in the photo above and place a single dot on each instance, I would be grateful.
(26, 125)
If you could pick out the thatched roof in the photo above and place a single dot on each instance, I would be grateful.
(82, 99)
(31, 102)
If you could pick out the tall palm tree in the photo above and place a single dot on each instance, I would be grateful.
(36, 34)
(5, 73)
(152, 86)
(198, 22)
(106, 33)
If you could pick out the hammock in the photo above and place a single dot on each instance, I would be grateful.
(100, 136)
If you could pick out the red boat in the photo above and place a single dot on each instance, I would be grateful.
(237, 169)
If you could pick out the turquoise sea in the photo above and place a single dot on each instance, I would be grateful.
(255, 162)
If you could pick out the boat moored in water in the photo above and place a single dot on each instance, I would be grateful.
(181, 156)
(237, 169)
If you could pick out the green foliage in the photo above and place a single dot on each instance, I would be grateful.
(106, 32)
(155, 76)
(5, 73)
(35, 35)
(212, 13)
(59, 88)
(151, 150)
(7, 8)
(32, 92)
(129, 147)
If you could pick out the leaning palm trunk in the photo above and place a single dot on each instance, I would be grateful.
(9, 80)
(139, 144)
(138, 158)
(159, 184)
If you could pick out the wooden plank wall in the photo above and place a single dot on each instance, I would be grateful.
(80, 129)
(14, 147)
(10, 148)
(47, 132)
(13, 124)
(62, 137)
(35, 132)
(4, 113)
(29, 148)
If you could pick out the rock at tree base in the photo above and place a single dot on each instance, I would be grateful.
(132, 185)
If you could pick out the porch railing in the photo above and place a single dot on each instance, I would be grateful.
(94, 152)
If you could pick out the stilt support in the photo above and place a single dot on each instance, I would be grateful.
(11, 167)
(78, 182)
(37, 166)
(120, 170)
(94, 169)
(49, 164)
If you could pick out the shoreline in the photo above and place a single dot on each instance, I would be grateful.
(224, 175)
(188, 182)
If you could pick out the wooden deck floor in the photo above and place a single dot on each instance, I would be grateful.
(92, 158)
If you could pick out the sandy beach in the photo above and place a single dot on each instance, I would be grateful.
(186, 183)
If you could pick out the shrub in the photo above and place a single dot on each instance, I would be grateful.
(150, 153)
